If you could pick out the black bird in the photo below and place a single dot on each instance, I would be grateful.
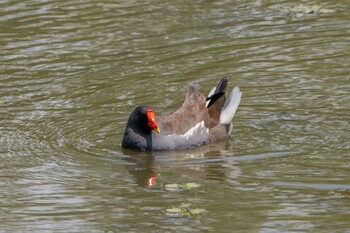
(200, 120)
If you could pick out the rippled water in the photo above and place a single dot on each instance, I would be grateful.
(72, 71)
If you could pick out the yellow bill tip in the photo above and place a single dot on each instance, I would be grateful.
(157, 130)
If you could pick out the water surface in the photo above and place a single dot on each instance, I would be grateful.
(72, 71)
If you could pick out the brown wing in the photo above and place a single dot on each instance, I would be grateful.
(216, 104)
(192, 111)
(215, 111)
(218, 133)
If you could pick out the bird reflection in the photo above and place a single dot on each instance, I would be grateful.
(203, 163)
(142, 166)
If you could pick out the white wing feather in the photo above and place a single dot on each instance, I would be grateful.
(230, 106)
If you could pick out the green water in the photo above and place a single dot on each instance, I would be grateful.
(72, 71)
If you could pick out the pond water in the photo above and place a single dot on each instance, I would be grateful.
(72, 71)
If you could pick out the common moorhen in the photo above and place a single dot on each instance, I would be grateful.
(200, 120)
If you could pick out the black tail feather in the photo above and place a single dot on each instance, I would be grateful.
(214, 97)
(222, 85)
(220, 91)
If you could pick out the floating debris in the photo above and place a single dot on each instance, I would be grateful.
(183, 187)
(327, 11)
(334, 105)
(172, 187)
(191, 186)
(174, 212)
(184, 210)
(303, 10)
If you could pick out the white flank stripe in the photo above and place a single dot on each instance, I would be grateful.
(199, 128)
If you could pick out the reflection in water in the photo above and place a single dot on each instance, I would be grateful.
(142, 166)
(197, 165)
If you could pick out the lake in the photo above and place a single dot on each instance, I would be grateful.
(71, 72)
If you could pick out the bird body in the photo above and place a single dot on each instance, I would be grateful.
(200, 120)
